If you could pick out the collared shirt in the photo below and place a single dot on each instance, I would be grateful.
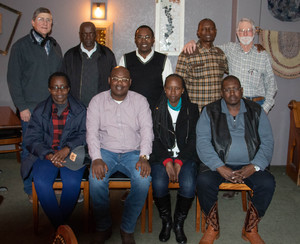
(166, 71)
(254, 71)
(202, 72)
(87, 52)
(119, 128)
(238, 153)
(39, 39)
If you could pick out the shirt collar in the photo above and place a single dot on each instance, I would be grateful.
(145, 60)
(87, 52)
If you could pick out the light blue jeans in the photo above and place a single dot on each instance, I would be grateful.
(99, 192)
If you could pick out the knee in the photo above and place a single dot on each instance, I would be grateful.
(268, 184)
(203, 181)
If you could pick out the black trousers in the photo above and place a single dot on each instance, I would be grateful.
(261, 182)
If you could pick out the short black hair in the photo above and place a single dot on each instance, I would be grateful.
(145, 26)
(56, 74)
(177, 76)
(206, 19)
(230, 77)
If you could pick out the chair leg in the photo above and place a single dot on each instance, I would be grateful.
(86, 204)
(198, 215)
(150, 208)
(143, 218)
(18, 153)
(35, 207)
(244, 200)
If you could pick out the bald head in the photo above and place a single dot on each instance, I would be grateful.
(87, 34)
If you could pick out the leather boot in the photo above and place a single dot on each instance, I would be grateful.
(163, 205)
(213, 229)
(183, 205)
(127, 238)
(250, 230)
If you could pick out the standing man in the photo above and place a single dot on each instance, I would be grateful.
(235, 144)
(119, 137)
(252, 67)
(204, 69)
(88, 65)
(148, 68)
(33, 59)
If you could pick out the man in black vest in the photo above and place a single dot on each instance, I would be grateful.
(235, 144)
(148, 69)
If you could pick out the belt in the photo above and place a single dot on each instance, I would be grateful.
(255, 99)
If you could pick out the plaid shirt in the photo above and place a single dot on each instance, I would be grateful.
(254, 71)
(58, 125)
(202, 72)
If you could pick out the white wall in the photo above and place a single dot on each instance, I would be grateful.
(127, 15)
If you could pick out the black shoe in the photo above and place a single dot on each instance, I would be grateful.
(165, 232)
(179, 233)
(127, 238)
(102, 236)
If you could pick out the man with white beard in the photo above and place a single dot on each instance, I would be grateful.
(251, 66)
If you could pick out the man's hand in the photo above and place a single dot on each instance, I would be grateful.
(171, 172)
(230, 175)
(144, 167)
(25, 115)
(190, 47)
(246, 171)
(99, 169)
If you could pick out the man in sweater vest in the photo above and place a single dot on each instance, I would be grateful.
(148, 69)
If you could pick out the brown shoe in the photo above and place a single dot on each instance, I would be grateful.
(127, 238)
(102, 236)
(213, 229)
(249, 232)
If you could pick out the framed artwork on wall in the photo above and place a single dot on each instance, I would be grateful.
(169, 26)
(104, 34)
(11, 18)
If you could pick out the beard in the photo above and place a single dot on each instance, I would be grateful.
(246, 40)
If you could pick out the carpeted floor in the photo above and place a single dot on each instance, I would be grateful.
(281, 225)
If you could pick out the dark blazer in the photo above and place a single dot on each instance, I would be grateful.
(185, 134)
(39, 134)
(72, 66)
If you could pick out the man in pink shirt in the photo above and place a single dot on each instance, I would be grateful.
(119, 137)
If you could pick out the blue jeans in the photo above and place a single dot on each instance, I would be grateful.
(187, 180)
(44, 175)
(261, 182)
(125, 163)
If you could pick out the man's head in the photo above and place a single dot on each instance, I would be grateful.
(231, 90)
(207, 31)
(59, 87)
(42, 21)
(119, 82)
(144, 39)
(245, 31)
(87, 34)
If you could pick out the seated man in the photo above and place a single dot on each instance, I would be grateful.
(235, 142)
(119, 138)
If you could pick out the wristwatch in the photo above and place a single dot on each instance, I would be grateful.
(257, 168)
(145, 157)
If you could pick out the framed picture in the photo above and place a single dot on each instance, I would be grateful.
(104, 34)
(169, 26)
(11, 18)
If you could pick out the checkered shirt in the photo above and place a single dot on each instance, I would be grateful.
(254, 71)
(202, 72)
(58, 125)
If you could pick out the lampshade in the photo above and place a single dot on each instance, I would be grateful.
(98, 11)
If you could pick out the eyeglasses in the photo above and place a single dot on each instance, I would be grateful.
(56, 88)
(245, 31)
(116, 79)
(146, 38)
(234, 89)
(42, 20)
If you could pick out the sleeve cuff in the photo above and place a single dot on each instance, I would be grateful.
(167, 161)
(178, 161)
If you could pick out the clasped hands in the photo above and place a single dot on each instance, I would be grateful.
(173, 170)
(99, 168)
(236, 176)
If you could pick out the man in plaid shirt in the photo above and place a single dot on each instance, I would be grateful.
(203, 70)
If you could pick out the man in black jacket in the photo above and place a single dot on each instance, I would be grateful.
(88, 65)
